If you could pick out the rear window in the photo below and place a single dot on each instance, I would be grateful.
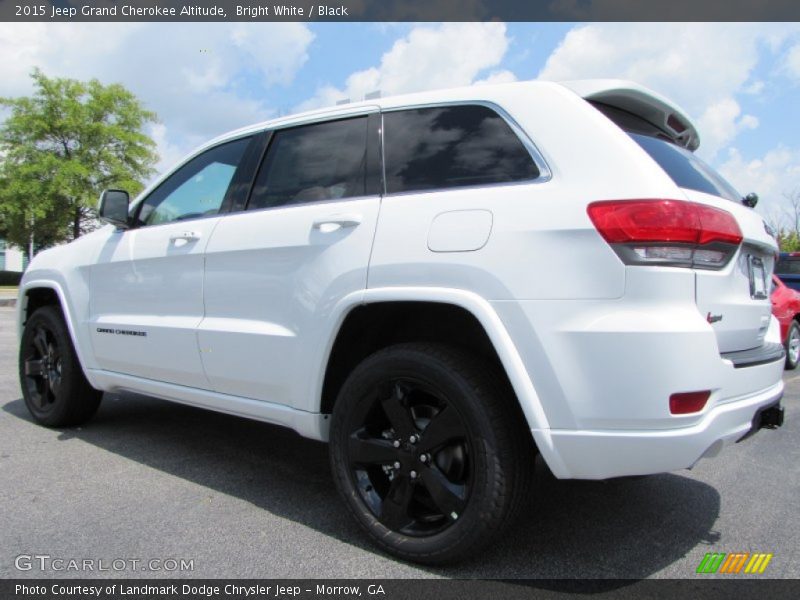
(788, 266)
(686, 169)
(452, 146)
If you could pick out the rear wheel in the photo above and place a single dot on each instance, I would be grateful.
(793, 346)
(430, 451)
(54, 387)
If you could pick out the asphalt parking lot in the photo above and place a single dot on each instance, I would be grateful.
(148, 479)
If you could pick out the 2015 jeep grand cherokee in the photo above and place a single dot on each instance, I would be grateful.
(441, 285)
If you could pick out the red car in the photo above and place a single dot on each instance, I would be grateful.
(786, 308)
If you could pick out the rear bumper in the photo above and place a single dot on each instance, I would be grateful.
(604, 454)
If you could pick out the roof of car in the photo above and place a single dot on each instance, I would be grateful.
(626, 95)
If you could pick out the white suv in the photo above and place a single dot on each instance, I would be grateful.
(440, 285)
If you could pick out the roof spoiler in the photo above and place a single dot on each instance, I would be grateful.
(642, 102)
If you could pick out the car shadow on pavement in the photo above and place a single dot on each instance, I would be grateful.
(626, 528)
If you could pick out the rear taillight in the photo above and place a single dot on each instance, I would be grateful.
(667, 232)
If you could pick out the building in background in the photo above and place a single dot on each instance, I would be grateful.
(12, 258)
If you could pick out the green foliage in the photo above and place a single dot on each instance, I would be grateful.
(59, 149)
(788, 241)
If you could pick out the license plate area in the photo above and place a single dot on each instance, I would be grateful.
(758, 277)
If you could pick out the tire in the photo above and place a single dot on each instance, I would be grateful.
(54, 387)
(430, 451)
(792, 346)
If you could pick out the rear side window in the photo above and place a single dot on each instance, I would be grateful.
(686, 169)
(323, 161)
(452, 146)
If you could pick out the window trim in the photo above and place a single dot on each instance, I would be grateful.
(372, 149)
(545, 173)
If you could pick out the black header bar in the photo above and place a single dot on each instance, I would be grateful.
(399, 10)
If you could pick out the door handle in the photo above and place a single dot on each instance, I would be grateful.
(189, 236)
(334, 222)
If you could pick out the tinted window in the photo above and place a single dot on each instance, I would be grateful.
(452, 146)
(197, 189)
(324, 161)
(685, 169)
(788, 266)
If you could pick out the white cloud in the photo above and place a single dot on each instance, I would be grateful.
(700, 66)
(720, 123)
(755, 88)
(772, 176)
(448, 55)
(504, 76)
(793, 61)
(695, 64)
(169, 153)
(190, 74)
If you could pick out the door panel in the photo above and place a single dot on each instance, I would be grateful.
(147, 302)
(147, 285)
(272, 280)
(275, 272)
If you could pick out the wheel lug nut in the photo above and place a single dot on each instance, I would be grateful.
(413, 474)
(423, 458)
(413, 439)
(397, 465)
(396, 443)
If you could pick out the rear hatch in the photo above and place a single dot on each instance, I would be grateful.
(734, 297)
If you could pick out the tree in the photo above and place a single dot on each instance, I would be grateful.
(788, 224)
(59, 149)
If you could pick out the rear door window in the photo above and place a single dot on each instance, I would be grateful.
(452, 146)
(312, 163)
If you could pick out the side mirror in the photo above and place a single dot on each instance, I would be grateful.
(750, 200)
(113, 208)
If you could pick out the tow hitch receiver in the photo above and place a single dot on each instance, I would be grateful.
(772, 417)
(769, 417)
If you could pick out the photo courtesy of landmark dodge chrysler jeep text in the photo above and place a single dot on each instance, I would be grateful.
(441, 285)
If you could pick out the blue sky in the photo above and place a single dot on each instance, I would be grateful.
(740, 82)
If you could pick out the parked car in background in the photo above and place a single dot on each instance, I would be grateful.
(788, 269)
(786, 308)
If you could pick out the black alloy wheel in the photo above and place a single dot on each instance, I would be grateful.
(53, 384)
(42, 369)
(430, 451)
(410, 457)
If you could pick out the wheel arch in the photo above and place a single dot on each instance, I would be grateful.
(470, 306)
(45, 292)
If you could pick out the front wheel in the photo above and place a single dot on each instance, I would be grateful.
(793, 346)
(54, 387)
(430, 451)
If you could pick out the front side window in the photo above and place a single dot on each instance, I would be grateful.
(195, 190)
(452, 146)
(311, 163)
